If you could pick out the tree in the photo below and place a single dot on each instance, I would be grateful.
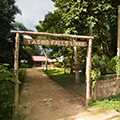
(52, 23)
(77, 16)
(26, 52)
(101, 14)
(8, 10)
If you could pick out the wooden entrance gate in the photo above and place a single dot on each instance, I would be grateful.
(57, 43)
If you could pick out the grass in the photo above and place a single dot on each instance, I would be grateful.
(107, 103)
(68, 80)
(63, 79)
(108, 76)
(20, 117)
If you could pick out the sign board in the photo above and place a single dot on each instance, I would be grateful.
(54, 42)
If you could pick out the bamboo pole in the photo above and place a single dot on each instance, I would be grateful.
(88, 68)
(16, 87)
(53, 35)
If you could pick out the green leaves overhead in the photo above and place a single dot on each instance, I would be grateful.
(75, 17)
(52, 23)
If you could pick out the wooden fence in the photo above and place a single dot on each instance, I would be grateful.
(106, 88)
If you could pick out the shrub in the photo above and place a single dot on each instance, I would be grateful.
(95, 74)
(22, 73)
(24, 65)
(6, 92)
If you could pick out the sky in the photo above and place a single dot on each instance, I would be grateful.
(33, 11)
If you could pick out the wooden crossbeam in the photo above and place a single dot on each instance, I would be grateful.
(53, 35)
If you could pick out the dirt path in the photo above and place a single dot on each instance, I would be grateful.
(43, 99)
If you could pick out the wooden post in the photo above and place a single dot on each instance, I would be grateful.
(46, 58)
(118, 44)
(46, 62)
(77, 78)
(16, 87)
(118, 38)
(88, 68)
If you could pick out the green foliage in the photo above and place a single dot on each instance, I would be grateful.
(108, 76)
(74, 17)
(117, 65)
(99, 61)
(107, 103)
(103, 63)
(32, 50)
(52, 23)
(7, 90)
(24, 55)
(22, 73)
(112, 64)
(58, 64)
(101, 15)
(8, 10)
(23, 65)
(95, 75)
(63, 79)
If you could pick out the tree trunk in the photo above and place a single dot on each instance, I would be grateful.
(71, 71)
(71, 62)
(64, 69)
(77, 78)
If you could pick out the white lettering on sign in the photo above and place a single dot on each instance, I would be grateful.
(28, 41)
(54, 42)
(33, 42)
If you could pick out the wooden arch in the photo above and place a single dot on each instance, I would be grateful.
(88, 60)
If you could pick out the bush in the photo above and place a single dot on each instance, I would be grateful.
(24, 65)
(100, 62)
(7, 90)
(22, 73)
(95, 75)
